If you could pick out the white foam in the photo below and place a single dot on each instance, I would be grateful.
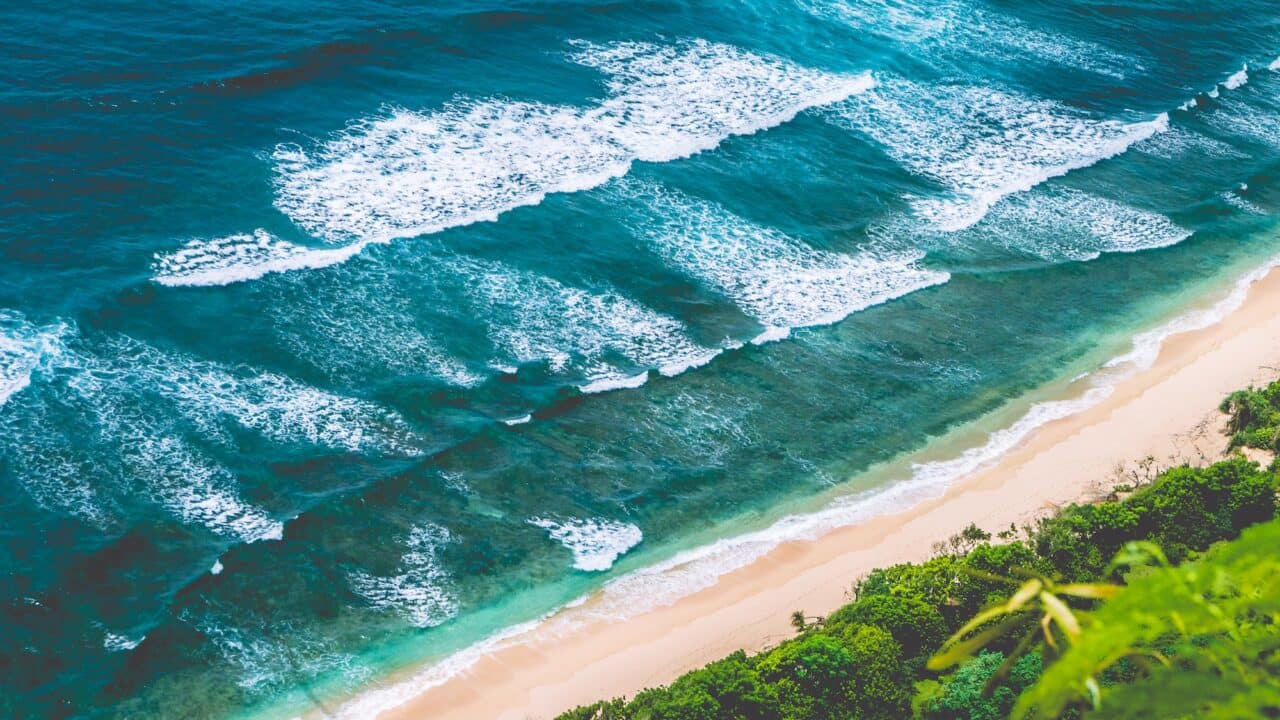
(359, 322)
(676, 367)
(1236, 199)
(1237, 79)
(961, 31)
(669, 102)
(195, 490)
(1058, 223)
(23, 347)
(984, 144)
(1238, 118)
(534, 318)
(621, 382)
(241, 257)
(595, 543)
(1234, 81)
(92, 441)
(374, 702)
(421, 592)
(277, 407)
(1178, 141)
(407, 173)
(771, 334)
(664, 583)
(114, 642)
(779, 280)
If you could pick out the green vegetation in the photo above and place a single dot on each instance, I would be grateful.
(1254, 417)
(1116, 609)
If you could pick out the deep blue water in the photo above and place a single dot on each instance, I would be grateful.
(335, 338)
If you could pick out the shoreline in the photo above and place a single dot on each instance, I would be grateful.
(577, 655)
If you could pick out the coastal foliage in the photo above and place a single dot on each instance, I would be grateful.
(1254, 417)
(871, 657)
(1197, 640)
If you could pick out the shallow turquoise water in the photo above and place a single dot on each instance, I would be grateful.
(414, 324)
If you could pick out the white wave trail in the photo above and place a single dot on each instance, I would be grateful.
(421, 591)
(23, 347)
(361, 322)
(780, 281)
(961, 31)
(241, 257)
(274, 406)
(1237, 79)
(534, 318)
(195, 490)
(693, 570)
(594, 543)
(409, 173)
(86, 430)
(91, 442)
(983, 144)
(1059, 223)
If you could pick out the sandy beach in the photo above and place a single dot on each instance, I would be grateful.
(1167, 412)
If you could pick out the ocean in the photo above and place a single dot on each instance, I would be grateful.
(336, 340)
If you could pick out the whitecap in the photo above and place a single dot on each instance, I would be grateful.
(983, 144)
(359, 322)
(534, 318)
(608, 383)
(1235, 198)
(960, 31)
(23, 347)
(1059, 223)
(114, 642)
(1237, 79)
(779, 280)
(595, 543)
(277, 407)
(421, 592)
(194, 489)
(269, 657)
(241, 257)
(407, 173)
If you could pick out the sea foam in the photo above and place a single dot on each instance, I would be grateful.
(535, 318)
(594, 543)
(1237, 79)
(23, 347)
(421, 592)
(961, 32)
(243, 256)
(407, 173)
(360, 322)
(779, 280)
(983, 144)
(104, 432)
(1061, 224)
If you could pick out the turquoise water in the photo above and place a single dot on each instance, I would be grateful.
(335, 340)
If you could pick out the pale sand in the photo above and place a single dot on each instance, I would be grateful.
(1167, 412)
